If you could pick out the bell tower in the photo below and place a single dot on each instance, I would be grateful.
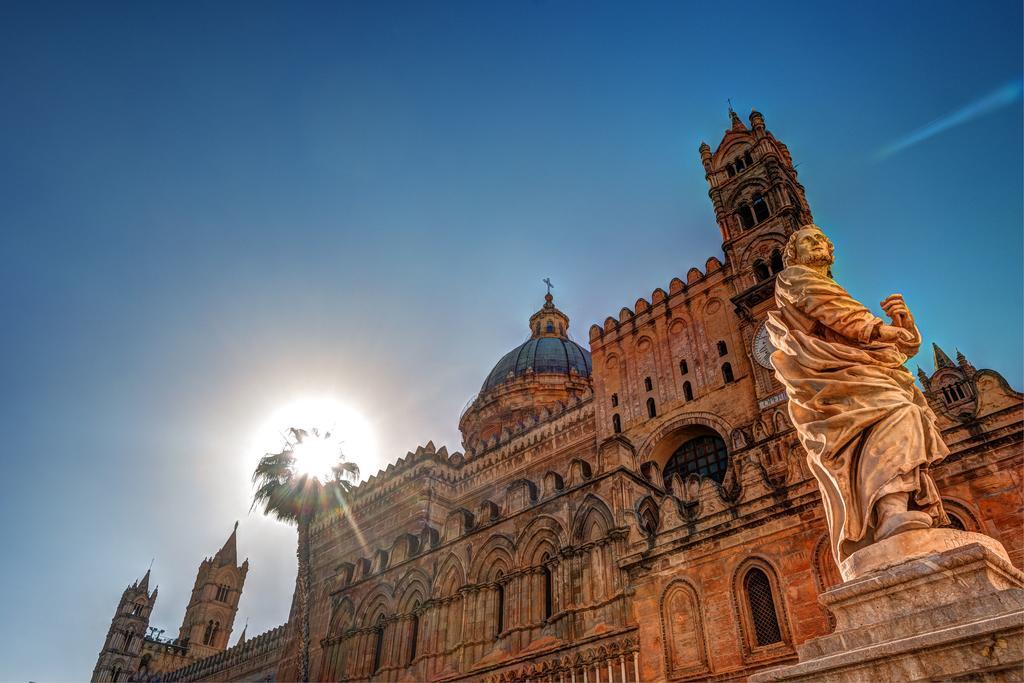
(211, 610)
(121, 653)
(755, 194)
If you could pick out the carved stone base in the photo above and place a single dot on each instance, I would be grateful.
(949, 615)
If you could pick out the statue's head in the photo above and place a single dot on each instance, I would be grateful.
(808, 246)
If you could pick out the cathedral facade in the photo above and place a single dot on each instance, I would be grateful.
(639, 510)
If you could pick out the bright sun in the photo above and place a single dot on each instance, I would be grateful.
(338, 428)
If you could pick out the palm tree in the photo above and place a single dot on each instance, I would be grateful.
(298, 498)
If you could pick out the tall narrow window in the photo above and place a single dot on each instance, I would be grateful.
(748, 159)
(378, 644)
(776, 261)
(760, 207)
(414, 624)
(615, 400)
(722, 348)
(616, 423)
(115, 675)
(687, 391)
(727, 373)
(761, 272)
(648, 384)
(762, 608)
(216, 632)
(499, 607)
(746, 216)
(548, 587)
(652, 411)
(208, 633)
(731, 170)
(683, 367)
(128, 641)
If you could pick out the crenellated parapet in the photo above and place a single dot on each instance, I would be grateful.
(248, 656)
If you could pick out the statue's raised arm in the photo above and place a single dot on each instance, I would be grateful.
(869, 434)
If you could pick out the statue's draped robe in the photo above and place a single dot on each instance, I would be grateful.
(866, 428)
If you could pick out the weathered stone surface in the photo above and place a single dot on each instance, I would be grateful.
(949, 615)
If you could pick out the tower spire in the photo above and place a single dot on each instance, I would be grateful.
(941, 359)
(228, 554)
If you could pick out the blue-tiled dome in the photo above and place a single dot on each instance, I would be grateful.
(541, 355)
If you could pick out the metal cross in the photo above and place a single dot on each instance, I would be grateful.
(547, 281)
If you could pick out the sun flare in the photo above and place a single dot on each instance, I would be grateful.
(332, 429)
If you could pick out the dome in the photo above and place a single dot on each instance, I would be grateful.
(540, 355)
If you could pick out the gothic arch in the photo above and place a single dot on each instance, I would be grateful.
(745, 190)
(543, 534)
(378, 601)
(593, 514)
(415, 585)
(762, 248)
(342, 618)
(963, 512)
(661, 443)
(497, 554)
(451, 576)
(682, 630)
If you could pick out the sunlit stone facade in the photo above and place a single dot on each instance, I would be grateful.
(638, 511)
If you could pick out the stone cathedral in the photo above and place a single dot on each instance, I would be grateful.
(637, 511)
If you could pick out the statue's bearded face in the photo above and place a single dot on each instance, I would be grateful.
(813, 248)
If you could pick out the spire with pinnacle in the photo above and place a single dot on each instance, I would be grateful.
(228, 555)
(965, 365)
(941, 359)
(737, 122)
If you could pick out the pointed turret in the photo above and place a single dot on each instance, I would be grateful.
(941, 359)
(737, 122)
(144, 584)
(923, 377)
(228, 554)
(241, 638)
(965, 365)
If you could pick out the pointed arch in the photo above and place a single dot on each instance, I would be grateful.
(341, 618)
(497, 554)
(760, 608)
(378, 601)
(451, 576)
(592, 520)
(542, 534)
(413, 586)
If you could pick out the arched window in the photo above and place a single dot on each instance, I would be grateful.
(761, 602)
(687, 391)
(731, 170)
(115, 675)
(702, 455)
(615, 400)
(648, 384)
(216, 632)
(128, 635)
(761, 272)
(760, 207)
(616, 424)
(208, 633)
(747, 159)
(776, 261)
(683, 367)
(727, 373)
(746, 217)
(378, 645)
(549, 592)
(652, 411)
(414, 624)
(722, 348)
(222, 593)
(955, 522)
(137, 610)
(499, 620)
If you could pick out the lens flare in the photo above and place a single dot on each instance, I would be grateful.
(331, 430)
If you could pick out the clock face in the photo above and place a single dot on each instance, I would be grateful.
(763, 348)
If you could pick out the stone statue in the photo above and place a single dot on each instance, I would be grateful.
(869, 434)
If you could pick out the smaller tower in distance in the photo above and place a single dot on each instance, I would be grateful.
(121, 653)
(214, 603)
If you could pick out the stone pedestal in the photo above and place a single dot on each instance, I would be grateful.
(955, 614)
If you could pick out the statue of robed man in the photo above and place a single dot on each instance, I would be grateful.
(869, 434)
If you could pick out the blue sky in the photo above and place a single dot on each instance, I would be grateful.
(210, 209)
